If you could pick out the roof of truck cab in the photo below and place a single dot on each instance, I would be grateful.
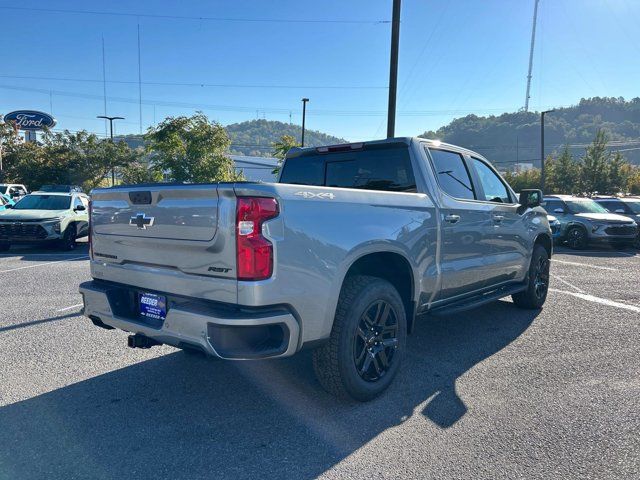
(304, 151)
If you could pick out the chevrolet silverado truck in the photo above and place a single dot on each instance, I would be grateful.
(342, 255)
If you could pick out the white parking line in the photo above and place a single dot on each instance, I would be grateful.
(602, 301)
(69, 308)
(43, 264)
(599, 267)
(567, 283)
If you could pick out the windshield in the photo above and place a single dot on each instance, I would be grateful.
(634, 205)
(585, 206)
(43, 202)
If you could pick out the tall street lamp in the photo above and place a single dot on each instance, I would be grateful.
(111, 119)
(304, 115)
(542, 172)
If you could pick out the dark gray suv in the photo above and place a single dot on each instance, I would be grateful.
(584, 222)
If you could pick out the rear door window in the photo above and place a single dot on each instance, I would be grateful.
(452, 174)
(552, 205)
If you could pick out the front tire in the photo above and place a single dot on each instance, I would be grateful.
(577, 238)
(536, 293)
(367, 342)
(69, 238)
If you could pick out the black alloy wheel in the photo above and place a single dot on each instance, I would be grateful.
(541, 277)
(577, 238)
(375, 341)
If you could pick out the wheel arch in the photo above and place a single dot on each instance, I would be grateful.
(546, 242)
(393, 267)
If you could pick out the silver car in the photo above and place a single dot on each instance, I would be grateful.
(584, 222)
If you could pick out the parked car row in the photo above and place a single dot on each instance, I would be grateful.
(56, 215)
(599, 221)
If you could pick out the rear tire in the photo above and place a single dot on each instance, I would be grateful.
(536, 293)
(577, 238)
(636, 243)
(367, 342)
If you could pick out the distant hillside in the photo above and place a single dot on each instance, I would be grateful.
(511, 137)
(255, 137)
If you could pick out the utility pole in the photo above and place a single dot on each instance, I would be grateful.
(542, 173)
(393, 69)
(104, 85)
(304, 115)
(533, 41)
(139, 81)
(111, 119)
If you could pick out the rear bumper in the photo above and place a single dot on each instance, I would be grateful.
(223, 331)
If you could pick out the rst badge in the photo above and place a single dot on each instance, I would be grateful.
(308, 195)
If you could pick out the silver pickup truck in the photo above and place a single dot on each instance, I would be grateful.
(342, 255)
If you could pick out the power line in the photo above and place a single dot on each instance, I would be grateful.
(192, 84)
(188, 17)
(278, 110)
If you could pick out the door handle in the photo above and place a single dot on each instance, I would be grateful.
(498, 218)
(452, 218)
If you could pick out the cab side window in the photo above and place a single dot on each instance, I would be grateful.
(494, 188)
(452, 174)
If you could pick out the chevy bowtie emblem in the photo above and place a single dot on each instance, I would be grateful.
(141, 221)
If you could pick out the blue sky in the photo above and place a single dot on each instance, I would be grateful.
(456, 57)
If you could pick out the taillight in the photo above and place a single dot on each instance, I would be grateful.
(254, 252)
(89, 233)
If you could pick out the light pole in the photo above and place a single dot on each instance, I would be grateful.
(542, 173)
(111, 119)
(393, 69)
(304, 114)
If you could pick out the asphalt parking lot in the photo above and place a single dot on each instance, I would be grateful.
(493, 393)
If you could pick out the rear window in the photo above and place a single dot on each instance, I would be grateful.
(387, 169)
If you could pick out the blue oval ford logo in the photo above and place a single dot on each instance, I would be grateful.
(30, 119)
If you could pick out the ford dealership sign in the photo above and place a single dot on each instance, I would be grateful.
(30, 119)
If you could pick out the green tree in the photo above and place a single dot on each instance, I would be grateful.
(522, 180)
(191, 149)
(139, 172)
(566, 174)
(616, 176)
(281, 147)
(66, 158)
(595, 166)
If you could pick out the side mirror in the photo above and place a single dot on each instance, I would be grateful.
(80, 208)
(558, 210)
(530, 198)
(8, 205)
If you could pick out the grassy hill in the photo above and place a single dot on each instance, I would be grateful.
(255, 137)
(511, 137)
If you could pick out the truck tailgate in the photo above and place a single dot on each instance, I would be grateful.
(183, 231)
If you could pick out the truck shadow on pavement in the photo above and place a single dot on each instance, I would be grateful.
(176, 416)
